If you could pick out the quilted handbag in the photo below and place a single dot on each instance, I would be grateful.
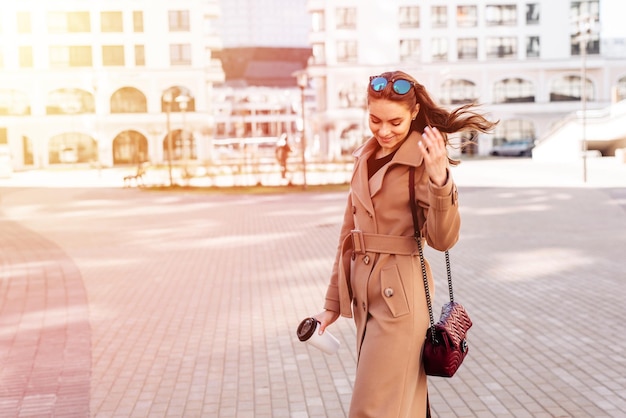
(446, 346)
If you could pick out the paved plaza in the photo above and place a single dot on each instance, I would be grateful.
(127, 302)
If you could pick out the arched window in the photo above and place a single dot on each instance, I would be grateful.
(69, 102)
(513, 90)
(569, 88)
(128, 100)
(181, 150)
(175, 98)
(130, 147)
(13, 103)
(458, 92)
(72, 147)
(621, 89)
(514, 130)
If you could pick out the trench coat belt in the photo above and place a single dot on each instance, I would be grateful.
(363, 242)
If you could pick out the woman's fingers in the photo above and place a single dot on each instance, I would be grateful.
(326, 318)
(433, 147)
(432, 140)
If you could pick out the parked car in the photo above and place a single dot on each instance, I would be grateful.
(520, 148)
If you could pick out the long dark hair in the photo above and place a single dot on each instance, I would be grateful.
(461, 119)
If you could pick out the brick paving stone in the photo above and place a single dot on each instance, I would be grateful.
(119, 303)
(44, 329)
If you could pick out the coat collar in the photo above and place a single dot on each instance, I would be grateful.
(408, 154)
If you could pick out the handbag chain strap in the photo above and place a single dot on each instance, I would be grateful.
(418, 237)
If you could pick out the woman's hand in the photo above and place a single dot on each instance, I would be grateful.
(326, 318)
(433, 148)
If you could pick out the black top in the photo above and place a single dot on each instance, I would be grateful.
(374, 164)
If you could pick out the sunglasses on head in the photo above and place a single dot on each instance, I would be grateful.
(400, 86)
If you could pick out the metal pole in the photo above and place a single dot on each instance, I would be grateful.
(302, 98)
(169, 144)
(583, 90)
(183, 134)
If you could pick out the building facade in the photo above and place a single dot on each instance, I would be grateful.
(107, 83)
(522, 60)
(117, 82)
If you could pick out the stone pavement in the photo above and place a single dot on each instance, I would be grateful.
(130, 303)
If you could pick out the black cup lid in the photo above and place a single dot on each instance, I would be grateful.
(306, 328)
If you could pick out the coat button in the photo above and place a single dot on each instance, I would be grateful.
(389, 292)
(353, 210)
(366, 259)
(364, 308)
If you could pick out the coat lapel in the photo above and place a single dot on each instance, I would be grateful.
(408, 154)
(360, 186)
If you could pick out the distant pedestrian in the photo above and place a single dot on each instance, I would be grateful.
(376, 276)
(282, 153)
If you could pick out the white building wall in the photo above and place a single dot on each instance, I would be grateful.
(151, 79)
(378, 35)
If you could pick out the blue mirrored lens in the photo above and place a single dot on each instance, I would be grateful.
(401, 86)
(378, 83)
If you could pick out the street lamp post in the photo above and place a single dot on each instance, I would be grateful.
(183, 103)
(302, 79)
(584, 29)
(168, 98)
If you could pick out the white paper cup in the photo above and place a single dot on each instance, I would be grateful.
(308, 331)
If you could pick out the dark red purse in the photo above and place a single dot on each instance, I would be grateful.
(446, 346)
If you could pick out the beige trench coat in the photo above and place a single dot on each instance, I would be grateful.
(377, 278)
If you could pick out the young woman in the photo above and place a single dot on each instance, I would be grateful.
(376, 277)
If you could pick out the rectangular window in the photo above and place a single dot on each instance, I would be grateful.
(585, 17)
(78, 22)
(111, 22)
(319, 53)
(113, 55)
(592, 40)
(409, 17)
(439, 49)
(180, 54)
(346, 18)
(137, 21)
(4, 138)
(140, 55)
(589, 8)
(179, 20)
(505, 47)
(346, 51)
(80, 56)
(532, 14)
(501, 15)
(410, 50)
(467, 49)
(23, 22)
(439, 16)
(70, 56)
(26, 56)
(70, 22)
(532, 47)
(466, 16)
(318, 22)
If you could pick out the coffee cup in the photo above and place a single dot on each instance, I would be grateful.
(308, 331)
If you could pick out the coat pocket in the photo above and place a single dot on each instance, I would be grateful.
(393, 292)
